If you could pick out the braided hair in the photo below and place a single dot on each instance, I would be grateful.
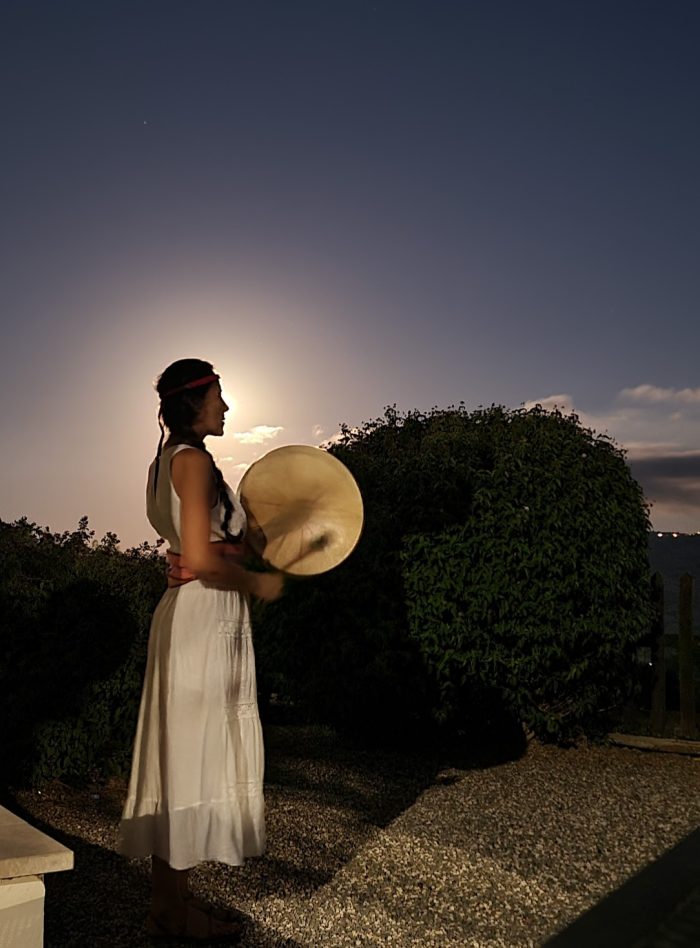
(178, 413)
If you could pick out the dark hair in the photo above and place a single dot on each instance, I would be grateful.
(179, 411)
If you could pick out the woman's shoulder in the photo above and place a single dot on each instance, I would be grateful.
(191, 466)
(186, 457)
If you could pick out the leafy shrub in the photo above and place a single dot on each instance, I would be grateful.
(502, 572)
(75, 618)
(337, 644)
(543, 590)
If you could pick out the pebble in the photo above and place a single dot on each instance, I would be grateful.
(367, 848)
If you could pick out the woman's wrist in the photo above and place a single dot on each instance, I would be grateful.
(250, 582)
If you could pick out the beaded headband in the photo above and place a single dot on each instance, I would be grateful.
(195, 384)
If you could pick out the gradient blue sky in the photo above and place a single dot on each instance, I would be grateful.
(343, 205)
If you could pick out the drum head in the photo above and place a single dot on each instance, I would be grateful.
(308, 505)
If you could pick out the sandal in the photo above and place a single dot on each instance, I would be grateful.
(201, 923)
(228, 916)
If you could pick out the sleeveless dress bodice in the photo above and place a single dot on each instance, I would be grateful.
(163, 504)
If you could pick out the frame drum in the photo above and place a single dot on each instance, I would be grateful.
(308, 505)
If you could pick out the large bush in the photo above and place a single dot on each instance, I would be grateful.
(543, 589)
(74, 622)
(337, 645)
(503, 570)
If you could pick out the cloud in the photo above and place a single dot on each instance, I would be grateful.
(317, 431)
(653, 394)
(677, 466)
(336, 438)
(564, 403)
(258, 434)
(671, 482)
(642, 450)
(660, 444)
(638, 425)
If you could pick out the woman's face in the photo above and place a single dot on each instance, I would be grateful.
(211, 416)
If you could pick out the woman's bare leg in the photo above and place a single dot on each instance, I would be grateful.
(174, 907)
(169, 890)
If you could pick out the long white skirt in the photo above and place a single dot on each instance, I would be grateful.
(196, 787)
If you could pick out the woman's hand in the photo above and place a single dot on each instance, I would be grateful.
(267, 586)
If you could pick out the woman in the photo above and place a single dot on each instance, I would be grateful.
(195, 792)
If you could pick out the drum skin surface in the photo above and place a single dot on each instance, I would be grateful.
(308, 506)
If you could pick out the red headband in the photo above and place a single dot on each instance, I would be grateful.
(197, 382)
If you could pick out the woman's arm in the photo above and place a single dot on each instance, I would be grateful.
(191, 477)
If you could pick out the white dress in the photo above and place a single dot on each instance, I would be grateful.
(196, 787)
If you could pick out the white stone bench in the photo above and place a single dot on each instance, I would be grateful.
(25, 855)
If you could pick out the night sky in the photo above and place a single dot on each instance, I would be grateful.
(343, 205)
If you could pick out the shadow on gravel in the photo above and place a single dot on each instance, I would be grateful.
(376, 785)
(103, 902)
(659, 906)
(324, 800)
(377, 782)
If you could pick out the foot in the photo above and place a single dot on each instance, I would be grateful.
(220, 914)
(196, 920)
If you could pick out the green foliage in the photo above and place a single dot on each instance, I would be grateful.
(75, 618)
(502, 576)
(337, 644)
(503, 570)
(542, 590)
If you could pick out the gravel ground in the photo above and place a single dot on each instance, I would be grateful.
(376, 849)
